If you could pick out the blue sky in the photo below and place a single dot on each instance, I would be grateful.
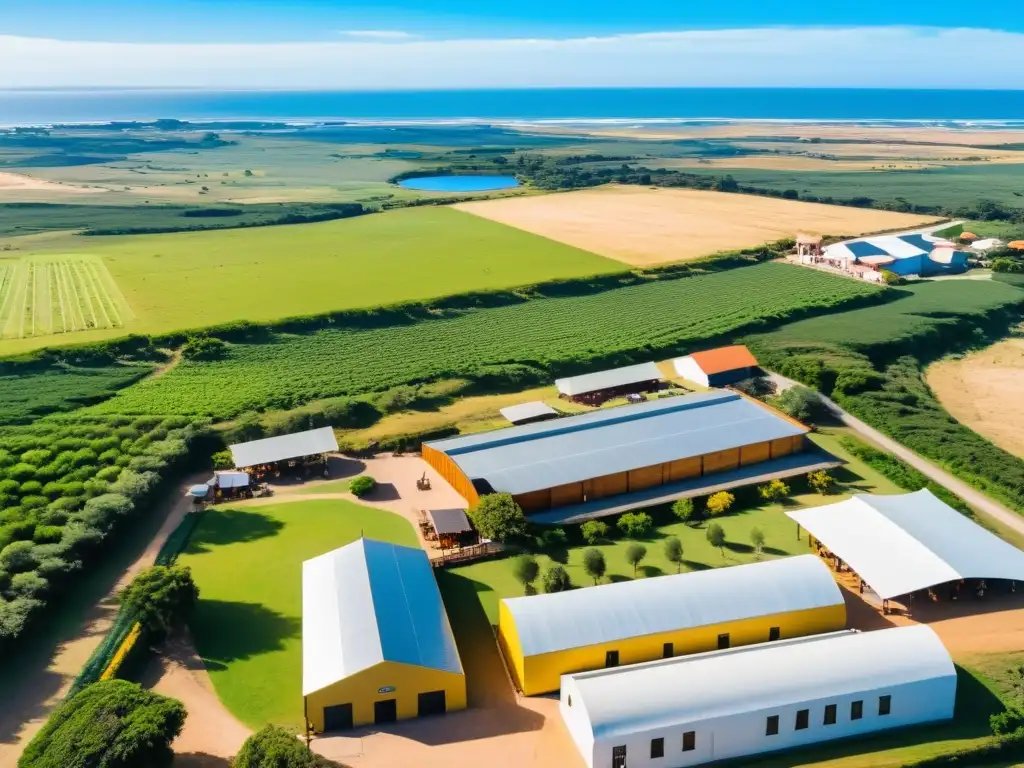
(395, 44)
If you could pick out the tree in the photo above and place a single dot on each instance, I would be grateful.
(526, 570)
(274, 747)
(821, 482)
(757, 539)
(801, 403)
(204, 348)
(594, 531)
(891, 278)
(362, 485)
(635, 553)
(109, 723)
(498, 517)
(248, 172)
(594, 564)
(160, 597)
(716, 537)
(674, 552)
(635, 524)
(685, 510)
(719, 503)
(556, 579)
(222, 460)
(776, 490)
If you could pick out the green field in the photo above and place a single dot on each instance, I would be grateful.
(248, 625)
(25, 396)
(194, 279)
(648, 320)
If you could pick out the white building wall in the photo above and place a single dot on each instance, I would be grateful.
(687, 368)
(745, 734)
(577, 721)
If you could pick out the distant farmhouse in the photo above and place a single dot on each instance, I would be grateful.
(912, 254)
(718, 367)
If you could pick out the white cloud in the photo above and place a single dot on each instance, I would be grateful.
(787, 56)
(377, 34)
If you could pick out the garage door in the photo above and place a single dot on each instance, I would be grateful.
(338, 718)
(432, 703)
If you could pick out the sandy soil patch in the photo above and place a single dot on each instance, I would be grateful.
(642, 226)
(16, 182)
(977, 390)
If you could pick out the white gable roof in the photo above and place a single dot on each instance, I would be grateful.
(283, 447)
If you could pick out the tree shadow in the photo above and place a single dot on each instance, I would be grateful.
(341, 467)
(739, 547)
(383, 492)
(228, 631)
(775, 551)
(200, 760)
(651, 570)
(558, 554)
(617, 578)
(221, 526)
(693, 565)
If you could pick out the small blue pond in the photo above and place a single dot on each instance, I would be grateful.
(459, 183)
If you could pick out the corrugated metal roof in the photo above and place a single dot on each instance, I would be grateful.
(283, 447)
(616, 377)
(532, 410)
(370, 602)
(900, 544)
(759, 677)
(449, 520)
(724, 359)
(536, 456)
(611, 612)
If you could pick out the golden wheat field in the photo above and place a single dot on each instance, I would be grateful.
(642, 226)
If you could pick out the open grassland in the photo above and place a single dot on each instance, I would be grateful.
(983, 390)
(247, 562)
(640, 321)
(58, 294)
(641, 226)
(194, 279)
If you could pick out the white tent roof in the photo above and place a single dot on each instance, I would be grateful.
(231, 479)
(532, 410)
(642, 697)
(616, 377)
(895, 246)
(370, 602)
(610, 612)
(900, 544)
(283, 447)
(987, 244)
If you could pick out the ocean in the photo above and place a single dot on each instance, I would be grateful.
(581, 105)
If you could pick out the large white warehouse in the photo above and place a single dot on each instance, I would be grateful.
(757, 699)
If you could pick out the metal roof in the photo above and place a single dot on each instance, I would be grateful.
(537, 456)
(283, 447)
(902, 543)
(611, 612)
(616, 377)
(449, 520)
(532, 410)
(367, 603)
(755, 678)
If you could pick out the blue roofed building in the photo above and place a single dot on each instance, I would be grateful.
(909, 254)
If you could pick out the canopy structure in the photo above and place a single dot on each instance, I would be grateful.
(199, 491)
(617, 377)
(449, 522)
(226, 480)
(527, 412)
(284, 447)
(901, 544)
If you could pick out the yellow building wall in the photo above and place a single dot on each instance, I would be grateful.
(751, 454)
(541, 674)
(684, 469)
(364, 689)
(721, 461)
(450, 471)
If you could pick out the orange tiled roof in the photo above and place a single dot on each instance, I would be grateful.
(968, 236)
(724, 359)
(1017, 245)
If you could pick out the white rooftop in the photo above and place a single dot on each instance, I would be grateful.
(900, 544)
(370, 602)
(284, 447)
(616, 377)
(533, 410)
(610, 612)
(753, 678)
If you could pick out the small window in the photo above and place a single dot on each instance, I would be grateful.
(803, 718)
(773, 726)
(657, 748)
(689, 741)
(611, 659)
(774, 634)
(856, 710)
(884, 705)
(723, 641)
(830, 714)
(668, 650)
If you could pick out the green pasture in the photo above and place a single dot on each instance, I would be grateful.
(247, 562)
(194, 279)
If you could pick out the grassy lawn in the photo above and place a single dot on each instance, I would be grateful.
(247, 563)
(334, 486)
(193, 279)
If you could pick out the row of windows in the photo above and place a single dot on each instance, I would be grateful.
(658, 745)
(668, 650)
(803, 716)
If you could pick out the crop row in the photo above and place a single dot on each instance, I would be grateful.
(557, 334)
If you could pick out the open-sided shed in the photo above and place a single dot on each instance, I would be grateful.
(271, 450)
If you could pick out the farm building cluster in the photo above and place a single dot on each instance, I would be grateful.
(913, 254)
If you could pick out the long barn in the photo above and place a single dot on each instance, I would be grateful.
(625, 450)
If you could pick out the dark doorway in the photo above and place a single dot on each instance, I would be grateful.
(611, 659)
(338, 717)
(668, 650)
(619, 757)
(723, 641)
(774, 634)
(432, 703)
(385, 711)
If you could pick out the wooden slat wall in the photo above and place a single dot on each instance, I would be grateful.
(683, 469)
(646, 477)
(721, 461)
(450, 471)
(751, 454)
(535, 501)
(781, 447)
(564, 495)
